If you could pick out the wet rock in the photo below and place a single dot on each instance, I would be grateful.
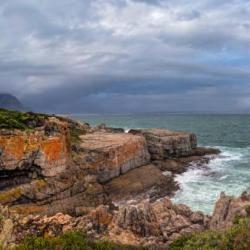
(202, 151)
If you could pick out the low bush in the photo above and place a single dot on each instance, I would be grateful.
(70, 241)
(235, 238)
(20, 120)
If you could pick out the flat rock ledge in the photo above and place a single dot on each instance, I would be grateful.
(109, 155)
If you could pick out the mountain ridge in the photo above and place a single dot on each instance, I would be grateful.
(11, 102)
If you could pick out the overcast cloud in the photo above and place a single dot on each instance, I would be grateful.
(121, 56)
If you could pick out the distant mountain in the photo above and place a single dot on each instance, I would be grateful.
(8, 101)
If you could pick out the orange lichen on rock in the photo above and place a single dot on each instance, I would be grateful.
(12, 146)
(15, 147)
(53, 149)
(47, 150)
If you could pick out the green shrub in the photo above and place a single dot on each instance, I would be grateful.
(235, 238)
(202, 241)
(75, 135)
(20, 120)
(69, 241)
(247, 208)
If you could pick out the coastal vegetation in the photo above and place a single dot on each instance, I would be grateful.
(234, 238)
(20, 120)
(70, 241)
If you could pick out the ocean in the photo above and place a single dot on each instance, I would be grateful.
(200, 187)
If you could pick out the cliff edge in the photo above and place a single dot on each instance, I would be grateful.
(101, 180)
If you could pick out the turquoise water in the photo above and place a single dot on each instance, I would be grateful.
(229, 172)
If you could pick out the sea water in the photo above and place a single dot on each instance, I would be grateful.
(200, 186)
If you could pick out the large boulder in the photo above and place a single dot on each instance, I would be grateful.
(165, 144)
(108, 155)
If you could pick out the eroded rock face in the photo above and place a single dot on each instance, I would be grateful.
(165, 144)
(22, 150)
(147, 223)
(108, 155)
(154, 224)
(227, 208)
(37, 174)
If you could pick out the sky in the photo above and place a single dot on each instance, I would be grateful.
(126, 56)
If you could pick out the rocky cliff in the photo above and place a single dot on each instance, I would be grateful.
(107, 181)
(151, 224)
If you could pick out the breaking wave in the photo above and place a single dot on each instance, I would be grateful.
(201, 186)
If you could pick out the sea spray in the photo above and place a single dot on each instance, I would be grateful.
(201, 185)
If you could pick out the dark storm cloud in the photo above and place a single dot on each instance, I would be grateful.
(126, 55)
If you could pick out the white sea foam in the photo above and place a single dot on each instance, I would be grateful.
(200, 187)
(224, 177)
(126, 130)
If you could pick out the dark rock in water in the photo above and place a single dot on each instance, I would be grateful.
(103, 128)
(180, 165)
(8, 101)
(115, 130)
(202, 151)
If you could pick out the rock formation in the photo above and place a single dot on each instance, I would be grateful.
(143, 224)
(229, 208)
(146, 223)
(100, 180)
(108, 155)
(165, 144)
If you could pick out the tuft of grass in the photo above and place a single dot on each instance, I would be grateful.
(75, 134)
(70, 241)
(20, 120)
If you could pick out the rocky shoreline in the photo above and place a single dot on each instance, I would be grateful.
(59, 175)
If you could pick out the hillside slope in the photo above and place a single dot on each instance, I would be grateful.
(8, 101)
